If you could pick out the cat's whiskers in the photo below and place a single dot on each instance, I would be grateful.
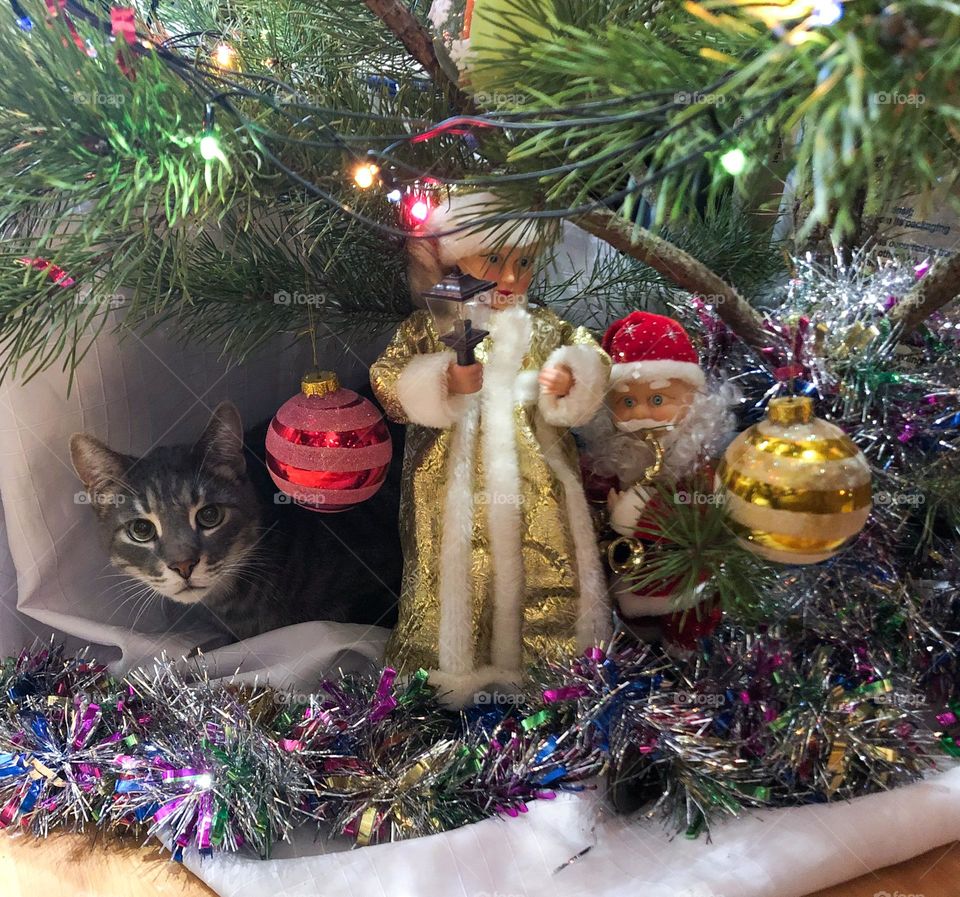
(127, 585)
(123, 577)
(144, 604)
(120, 588)
(141, 592)
(247, 568)
(242, 573)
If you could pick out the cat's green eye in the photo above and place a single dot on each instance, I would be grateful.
(141, 530)
(209, 516)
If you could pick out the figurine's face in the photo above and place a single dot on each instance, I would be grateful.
(511, 268)
(639, 405)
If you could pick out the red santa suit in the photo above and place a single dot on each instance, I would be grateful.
(654, 348)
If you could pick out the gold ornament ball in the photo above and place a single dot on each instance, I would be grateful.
(797, 488)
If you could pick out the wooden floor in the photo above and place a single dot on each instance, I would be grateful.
(78, 866)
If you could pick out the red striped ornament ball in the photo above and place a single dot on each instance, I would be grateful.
(328, 448)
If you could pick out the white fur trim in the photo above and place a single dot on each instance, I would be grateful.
(593, 604)
(477, 686)
(456, 653)
(457, 246)
(658, 370)
(633, 605)
(462, 208)
(526, 389)
(510, 330)
(422, 391)
(627, 508)
(589, 387)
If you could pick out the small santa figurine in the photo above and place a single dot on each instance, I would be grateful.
(660, 426)
(501, 567)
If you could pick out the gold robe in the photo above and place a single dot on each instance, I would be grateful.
(501, 567)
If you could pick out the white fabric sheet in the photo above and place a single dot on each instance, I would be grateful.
(134, 393)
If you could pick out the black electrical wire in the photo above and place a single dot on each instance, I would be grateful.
(197, 75)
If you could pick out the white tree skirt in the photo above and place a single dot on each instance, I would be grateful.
(774, 853)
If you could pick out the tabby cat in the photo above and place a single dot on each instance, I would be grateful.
(204, 524)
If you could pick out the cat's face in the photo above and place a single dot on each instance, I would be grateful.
(181, 519)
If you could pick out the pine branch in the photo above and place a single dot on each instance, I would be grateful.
(681, 268)
(667, 97)
(940, 286)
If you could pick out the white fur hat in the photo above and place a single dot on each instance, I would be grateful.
(459, 210)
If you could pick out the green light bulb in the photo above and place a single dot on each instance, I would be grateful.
(734, 161)
(210, 147)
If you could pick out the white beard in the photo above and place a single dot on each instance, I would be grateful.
(642, 423)
(704, 432)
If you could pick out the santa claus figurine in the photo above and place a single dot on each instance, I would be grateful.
(501, 567)
(659, 427)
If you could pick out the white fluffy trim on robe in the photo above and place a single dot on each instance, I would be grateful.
(489, 426)
(589, 387)
(422, 391)
(484, 685)
(633, 605)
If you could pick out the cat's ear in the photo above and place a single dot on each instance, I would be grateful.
(221, 444)
(99, 467)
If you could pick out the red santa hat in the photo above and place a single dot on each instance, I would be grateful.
(649, 347)
(460, 209)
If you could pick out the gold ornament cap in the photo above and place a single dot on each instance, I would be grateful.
(319, 383)
(790, 410)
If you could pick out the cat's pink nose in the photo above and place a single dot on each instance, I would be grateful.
(184, 568)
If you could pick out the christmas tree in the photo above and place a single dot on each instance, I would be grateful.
(239, 170)
(194, 162)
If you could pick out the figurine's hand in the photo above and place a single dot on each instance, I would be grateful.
(463, 380)
(556, 381)
(626, 508)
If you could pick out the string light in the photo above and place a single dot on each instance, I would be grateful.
(365, 174)
(415, 206)
(414, 211)
(210, 147)
(734, 161)
(24, 22)
(420, 210)
(826, 13)
(225, 56)
(209, 144)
